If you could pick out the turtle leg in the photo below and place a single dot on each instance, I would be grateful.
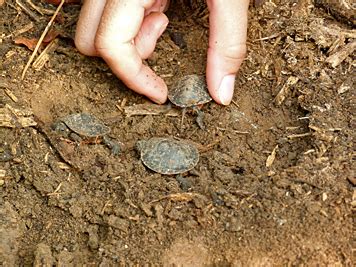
(76, 138)
(113, 145)
(200, 117)
(167, 108)
(184, 184)
(184, 111)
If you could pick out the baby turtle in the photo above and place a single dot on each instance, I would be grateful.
(81, 126)
(167, 155)
(190, 91)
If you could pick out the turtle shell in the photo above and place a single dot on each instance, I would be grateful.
(167, 155)
(85, 125)
(188, 91)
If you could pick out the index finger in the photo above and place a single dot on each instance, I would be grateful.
(120, 23)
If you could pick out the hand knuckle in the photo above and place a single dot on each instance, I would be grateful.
(234, 52)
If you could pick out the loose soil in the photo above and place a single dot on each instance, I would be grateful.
(274, 185)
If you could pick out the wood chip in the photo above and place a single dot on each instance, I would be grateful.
(325, 34)
(353, 202)
(343, 10)
(16, 118)
(272, 157)
(10, 94)
(63, 166)
(338, 57)
(281, 96)
(324, 196)
(292, 136)
(345, 86)
(2, 173)
(22, 30)
(28, 11)
(151, 109)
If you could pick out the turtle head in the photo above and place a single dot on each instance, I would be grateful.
(60, 128)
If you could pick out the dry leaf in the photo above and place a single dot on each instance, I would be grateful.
(31, 43)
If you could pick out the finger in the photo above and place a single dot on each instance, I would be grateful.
(227, 46)
(120, 23)
(159, 6)
(89, 18)
(152, 28)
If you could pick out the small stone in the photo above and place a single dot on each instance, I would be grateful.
(119, 223)
(324, 196)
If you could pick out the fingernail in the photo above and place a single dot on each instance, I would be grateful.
(156, 100)
(159, 100)
(226, 89)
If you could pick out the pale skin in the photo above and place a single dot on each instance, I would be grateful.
(125, 32)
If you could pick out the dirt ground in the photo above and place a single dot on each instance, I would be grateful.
(274, 185)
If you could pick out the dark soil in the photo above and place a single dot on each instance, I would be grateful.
(274, 185)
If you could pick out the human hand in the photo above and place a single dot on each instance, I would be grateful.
(124, 32)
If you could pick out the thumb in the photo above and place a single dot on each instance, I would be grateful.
(227, 46)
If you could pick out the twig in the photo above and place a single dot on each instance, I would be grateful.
(24, 29)
(107, 204)
(44, 56)
(11, 95)
(298, 135)
(267, 38)
(55, 192)
(40, 10)
(27, 11)
(41, 39)
(233, 102)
